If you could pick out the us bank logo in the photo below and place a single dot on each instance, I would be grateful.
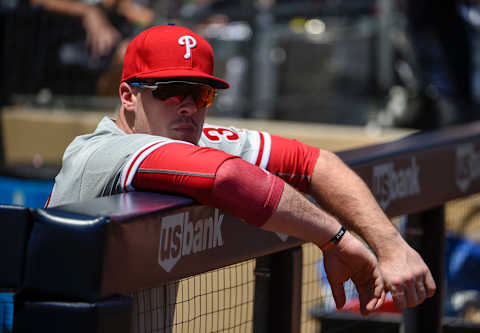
(467, 166)
(181, 237)
(390, 183)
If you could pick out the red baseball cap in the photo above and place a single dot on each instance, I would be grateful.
(170, 52)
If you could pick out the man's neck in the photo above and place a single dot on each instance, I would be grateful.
(122, 122)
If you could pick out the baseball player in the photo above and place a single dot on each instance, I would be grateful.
(159, 142)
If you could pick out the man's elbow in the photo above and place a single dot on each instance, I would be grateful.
(246, 191)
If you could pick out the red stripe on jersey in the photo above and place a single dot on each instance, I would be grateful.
(260, 149)
(132, 164)
(293, 161)
(48, 200)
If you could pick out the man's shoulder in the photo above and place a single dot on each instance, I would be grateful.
(109, 135)
(93, 139)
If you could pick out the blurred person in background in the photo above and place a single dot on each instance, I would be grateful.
(78, 45)
(442, 86)
(100, 41)
(6, 9)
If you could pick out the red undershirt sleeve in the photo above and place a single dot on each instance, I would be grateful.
(211, 177)
(293, 161)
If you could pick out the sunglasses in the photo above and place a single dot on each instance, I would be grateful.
(177, 91)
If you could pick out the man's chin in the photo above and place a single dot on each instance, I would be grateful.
(187, 138)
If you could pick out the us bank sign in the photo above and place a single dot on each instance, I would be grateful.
(467, 165)
(392, 183)
(181, 237)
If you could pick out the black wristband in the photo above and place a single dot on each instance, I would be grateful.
(339, 235)
(335, 239)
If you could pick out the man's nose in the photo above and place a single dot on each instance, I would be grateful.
(187, 107)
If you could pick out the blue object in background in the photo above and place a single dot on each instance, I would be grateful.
(30, 193)
(6, 312)
(462, 274)
(462, 269)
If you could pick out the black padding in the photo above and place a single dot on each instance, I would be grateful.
(125, 206)
(15, 226)
(113, 315)
(65, 256)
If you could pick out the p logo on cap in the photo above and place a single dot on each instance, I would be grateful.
(189, 43)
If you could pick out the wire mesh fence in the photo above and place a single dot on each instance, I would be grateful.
(216, 301)
(313, 292)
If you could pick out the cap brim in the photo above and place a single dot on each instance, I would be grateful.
(185, 75)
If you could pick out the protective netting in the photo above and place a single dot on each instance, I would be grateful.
(313, 292)
(216, 301)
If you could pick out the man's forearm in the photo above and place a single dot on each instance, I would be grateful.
(341, 192)
(298, 217)
(71, 8)
(337, 188)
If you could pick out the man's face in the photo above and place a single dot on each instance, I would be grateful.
(173, 118)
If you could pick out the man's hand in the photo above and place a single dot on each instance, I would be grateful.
(101, 35)
(350, 259)
(406, 276)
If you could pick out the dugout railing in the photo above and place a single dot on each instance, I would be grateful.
(75, 268)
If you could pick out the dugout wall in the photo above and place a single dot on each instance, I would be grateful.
(95, 262)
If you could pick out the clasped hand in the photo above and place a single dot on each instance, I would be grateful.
(404, 275)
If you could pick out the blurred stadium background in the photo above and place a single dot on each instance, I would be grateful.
(332, 73)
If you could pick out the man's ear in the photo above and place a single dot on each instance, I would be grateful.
(127, 96)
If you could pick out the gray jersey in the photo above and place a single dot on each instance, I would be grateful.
(105, 161)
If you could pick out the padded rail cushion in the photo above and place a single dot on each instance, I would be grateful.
(65, 255)
(113, 315)
(15, 226)
(124, 206)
